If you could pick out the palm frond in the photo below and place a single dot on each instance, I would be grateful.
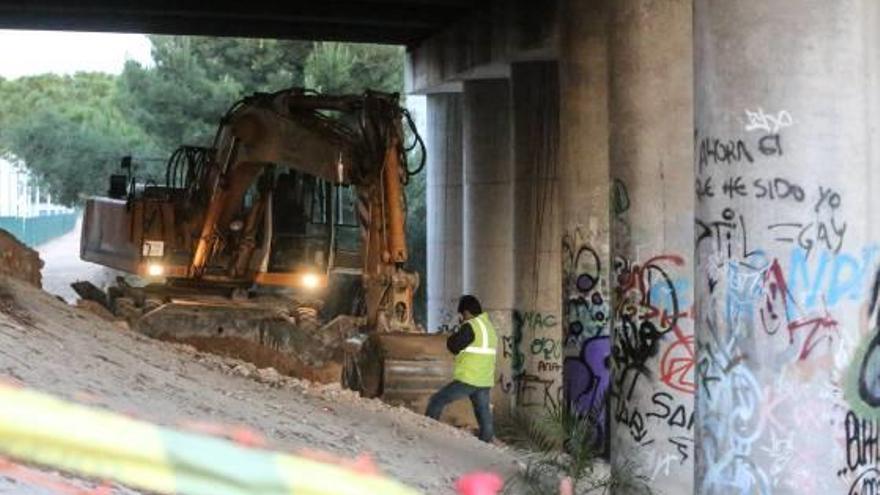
(559, 443)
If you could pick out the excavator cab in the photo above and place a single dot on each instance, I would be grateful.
(300, 225)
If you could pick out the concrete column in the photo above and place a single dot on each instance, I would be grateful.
(444, 191)
(488, 211)
(584, 206)
(537, 342)
(651, 112)
(787, 398)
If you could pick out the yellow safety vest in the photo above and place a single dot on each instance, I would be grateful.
(475, 364)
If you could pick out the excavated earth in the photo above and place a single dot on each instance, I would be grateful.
(75, 354)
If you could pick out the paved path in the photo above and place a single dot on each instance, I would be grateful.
(63, 266)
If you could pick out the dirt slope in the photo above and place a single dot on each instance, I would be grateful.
(56, 348)
(19, 261)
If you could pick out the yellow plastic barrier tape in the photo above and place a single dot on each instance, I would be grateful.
(41, 429)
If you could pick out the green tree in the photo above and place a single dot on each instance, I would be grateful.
(67, 130)
(72, 95)
(73, 157)
(337, 68)
(416, 238)
(255, 64)
(194, 80)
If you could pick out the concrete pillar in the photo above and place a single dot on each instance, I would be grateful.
(786, 243)
(488, 212)
(444, 192)
(651, 113)
(584, 206)
(537, 342)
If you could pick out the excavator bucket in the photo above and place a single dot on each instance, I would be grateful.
(405, 369)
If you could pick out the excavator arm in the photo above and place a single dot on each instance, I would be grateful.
(351, 140)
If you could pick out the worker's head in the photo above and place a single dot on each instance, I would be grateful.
(469, 307)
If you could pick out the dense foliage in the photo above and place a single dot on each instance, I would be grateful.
(72, 130)
(68, 129)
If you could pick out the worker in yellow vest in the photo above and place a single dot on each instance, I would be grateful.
(474, 345)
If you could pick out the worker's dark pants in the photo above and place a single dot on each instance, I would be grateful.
(479, 398)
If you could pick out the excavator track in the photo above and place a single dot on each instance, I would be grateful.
(268, 331)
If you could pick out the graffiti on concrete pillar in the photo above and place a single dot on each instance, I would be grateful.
(448, 316)
(587, 377)
(678, 362)
(512, 345)
(653, 358)
(771, 123)
(532, 360)
(619, 197)
(787, 372)
(863, 378)
(585, 308)
(861, 426)
(648, 307)
(587, 347)
(652, 349)
(731, 435)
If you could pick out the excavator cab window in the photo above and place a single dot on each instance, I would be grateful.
(348, 233)
(318, 206)
(301, 227)
(345, 205)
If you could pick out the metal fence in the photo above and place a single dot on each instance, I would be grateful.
(34, 231)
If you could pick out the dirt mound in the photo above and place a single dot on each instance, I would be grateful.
(72, 353)
(263, 357)
(19, 261)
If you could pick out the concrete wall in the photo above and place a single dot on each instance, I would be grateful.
(536, 345)
(444, 194)
(786, 246)
(651, 115)
(585, 183)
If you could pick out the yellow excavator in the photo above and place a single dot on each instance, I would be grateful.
(282, 244)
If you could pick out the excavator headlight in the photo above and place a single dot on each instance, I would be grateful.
(311, 281)
(155, 270)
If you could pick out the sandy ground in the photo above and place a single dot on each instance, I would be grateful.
(71, 353)
(62, 265)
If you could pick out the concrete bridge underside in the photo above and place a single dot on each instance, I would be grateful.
(641, 191)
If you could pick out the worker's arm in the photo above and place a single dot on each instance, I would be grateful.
(460, 339)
